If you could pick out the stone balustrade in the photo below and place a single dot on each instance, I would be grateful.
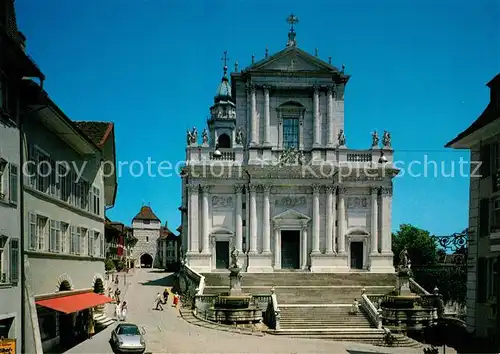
(200, 155)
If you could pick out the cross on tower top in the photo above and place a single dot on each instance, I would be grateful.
(292, 20)
(225, 59)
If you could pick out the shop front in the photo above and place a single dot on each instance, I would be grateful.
(63, 318)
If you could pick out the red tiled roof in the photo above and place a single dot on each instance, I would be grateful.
(146, 213)
(98, 132)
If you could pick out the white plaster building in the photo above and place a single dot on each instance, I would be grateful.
(273, 176)
(482, 137)
(146, 229)
(68, 183)
(14, 65)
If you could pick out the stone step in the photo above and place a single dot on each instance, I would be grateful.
(303, 278)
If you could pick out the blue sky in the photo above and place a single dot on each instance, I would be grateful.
(419, 70)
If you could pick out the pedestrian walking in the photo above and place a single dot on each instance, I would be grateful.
(118, 310)
(175, 300)
(117, 295)
(124, 311)
(117, 280)
(159, 301)
(165, 296)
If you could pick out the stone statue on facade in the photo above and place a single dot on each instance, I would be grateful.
(404, 262)
(341, 137)
(204, 136)
(192, 136)
(239, 136)
(234, 258)
(386, 139)
(375, 139)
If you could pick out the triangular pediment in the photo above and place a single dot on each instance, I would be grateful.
(291, 214)
(292, 59)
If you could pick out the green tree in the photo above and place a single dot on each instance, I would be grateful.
(109, 264)
(422, 249)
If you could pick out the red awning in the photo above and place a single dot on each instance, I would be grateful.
(74, 303)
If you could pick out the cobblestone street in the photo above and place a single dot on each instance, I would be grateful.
(167, 332)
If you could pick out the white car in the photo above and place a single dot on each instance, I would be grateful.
(127, 338)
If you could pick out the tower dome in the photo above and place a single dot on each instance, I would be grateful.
(224, 89)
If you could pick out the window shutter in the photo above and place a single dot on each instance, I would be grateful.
(484, 217)
(32, 230)
(14, 261)
(52, 244)
(13, 183)
(485, 161)
(482, 280)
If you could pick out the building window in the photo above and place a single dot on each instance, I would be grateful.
(41, 232)
(290, 133)
(4, 97)
(3, 266)
(496, 214)
(485, 156)
(482, 280)
(42, 171)
(146, 222)
(100, 238)
(484, 217)
(91, 246)
(32, 231)
(96, 201)
(64, 237)
(492, 277)
(83, 234)
(14, 261)
(147, 239)
(74, 245)
(55, 236)
(13, 183)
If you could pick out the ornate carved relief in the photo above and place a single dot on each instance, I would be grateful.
(303, 225)
(290, 201)
(252, 188)
(374, 190)
(386, 191)
(213, 240)
(316, 188)
(357, 202)
(238, 188)
(266, 187)
(331, 188)
(222, 202)
(193, 188)
(205, 188)
(342, 190)
(361, 178)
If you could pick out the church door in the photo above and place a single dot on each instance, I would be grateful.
(222, 254)
(356, 255)
(290, 249)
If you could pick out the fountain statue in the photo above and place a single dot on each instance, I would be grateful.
(235, 306)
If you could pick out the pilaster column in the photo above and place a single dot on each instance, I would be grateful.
(193, 218)
(253, 218)
(213, 242)
(385, 227)
(317, 126)
(205, 222)
(249, 114)
(238, 190)
(304, 245)
(267, 117)
(253, 100)
(280, 129)
(315, 219)
(330, 219)
(301, 131)
(329, 110)
(374, 219)
(277, 248)
(341, 220)
(266, 233)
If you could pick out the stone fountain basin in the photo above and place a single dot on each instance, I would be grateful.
(227, 301)
(401, 301)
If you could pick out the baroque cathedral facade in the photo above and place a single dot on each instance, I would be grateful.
(272, 175)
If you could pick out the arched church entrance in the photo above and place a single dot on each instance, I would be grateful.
(146, 261)
(224, 141)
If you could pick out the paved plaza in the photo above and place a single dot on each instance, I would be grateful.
(167, 332)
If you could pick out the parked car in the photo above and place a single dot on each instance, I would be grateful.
(127, 338)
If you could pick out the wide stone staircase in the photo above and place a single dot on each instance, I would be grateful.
(316, 305)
